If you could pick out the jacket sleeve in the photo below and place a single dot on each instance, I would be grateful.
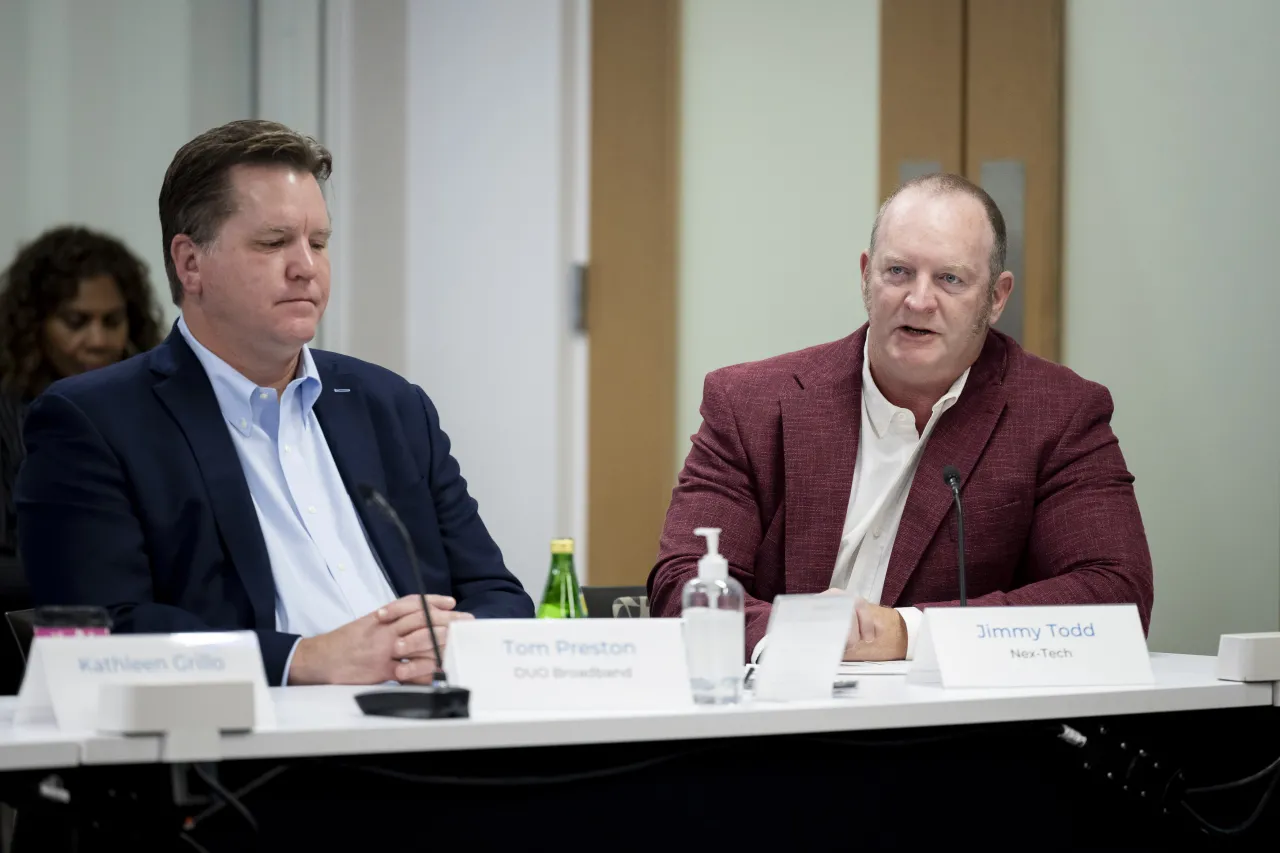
(714, 489)
(80, 539)
(1087, 544)
(481, 582)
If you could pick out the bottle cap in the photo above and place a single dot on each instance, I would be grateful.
(561, 546)
(713, 566)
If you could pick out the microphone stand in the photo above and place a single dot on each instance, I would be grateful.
(438, 701)
(951, 476)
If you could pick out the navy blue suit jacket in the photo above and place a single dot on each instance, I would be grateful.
(132, 497)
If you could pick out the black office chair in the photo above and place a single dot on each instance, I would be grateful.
(13, 657)
(616, 602)
(22, 624)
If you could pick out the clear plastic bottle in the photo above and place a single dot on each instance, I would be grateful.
(714, 627)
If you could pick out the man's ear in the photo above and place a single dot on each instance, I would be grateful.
(1000, 298)
(864, 266)
(186, 257)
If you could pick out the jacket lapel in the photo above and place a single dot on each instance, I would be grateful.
(958, 439)
(186, 392)
(348, 430)
(820, 423)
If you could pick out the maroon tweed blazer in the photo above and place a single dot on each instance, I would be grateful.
(1050, 513)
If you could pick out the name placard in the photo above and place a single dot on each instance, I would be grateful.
(807, 635)
(1069, 646)
(64, 675)
(569, 664)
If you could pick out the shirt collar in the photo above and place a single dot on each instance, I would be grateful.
(235, 392)
(880, 411)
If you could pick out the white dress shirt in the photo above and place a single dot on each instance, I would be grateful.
(326, 573)
(889, 450)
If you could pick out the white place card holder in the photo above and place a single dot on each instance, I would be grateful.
(1069, 646)
(66, 676)
(569, 664)
(807, 636)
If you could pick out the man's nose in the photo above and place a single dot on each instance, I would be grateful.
(920, 296)
(304, 264)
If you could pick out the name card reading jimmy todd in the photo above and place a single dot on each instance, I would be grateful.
(1032, 634)
(569, 664)
(1069, 646)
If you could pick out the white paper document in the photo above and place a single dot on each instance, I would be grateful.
(874, 667)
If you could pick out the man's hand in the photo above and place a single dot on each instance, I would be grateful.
(413, 644)
(371, 649)
(878, 633)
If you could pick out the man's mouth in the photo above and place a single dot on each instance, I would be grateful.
(916, 331)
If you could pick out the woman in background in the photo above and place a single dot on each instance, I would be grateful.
(71, 301)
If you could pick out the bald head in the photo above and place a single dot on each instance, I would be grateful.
(948, 184)
(933, 283)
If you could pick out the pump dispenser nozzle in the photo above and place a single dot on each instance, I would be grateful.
(713, 566)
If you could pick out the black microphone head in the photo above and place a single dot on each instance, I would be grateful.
(366, 491)
(951, 475)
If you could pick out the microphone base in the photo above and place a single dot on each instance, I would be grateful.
(417, 703)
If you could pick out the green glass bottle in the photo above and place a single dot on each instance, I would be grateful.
(563, 597)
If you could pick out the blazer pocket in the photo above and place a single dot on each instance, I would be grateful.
(995, 519)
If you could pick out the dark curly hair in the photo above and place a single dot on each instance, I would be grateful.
(47, 272)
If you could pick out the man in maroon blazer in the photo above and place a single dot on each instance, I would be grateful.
(824, 467)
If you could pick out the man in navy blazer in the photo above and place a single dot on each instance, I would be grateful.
(212, 483)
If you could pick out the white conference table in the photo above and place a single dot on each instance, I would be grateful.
(322, 721)
(39, 747)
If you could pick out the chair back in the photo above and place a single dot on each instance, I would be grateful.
(616, 602)
(22, 624)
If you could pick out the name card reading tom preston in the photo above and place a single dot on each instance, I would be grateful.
(569, 664)
(570, 659)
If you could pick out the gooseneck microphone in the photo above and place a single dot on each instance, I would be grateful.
(951, 476)
(439, 701)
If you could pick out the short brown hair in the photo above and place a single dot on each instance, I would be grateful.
(195, 198)
(943, 183)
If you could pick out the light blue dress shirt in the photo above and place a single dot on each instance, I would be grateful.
(326, 573)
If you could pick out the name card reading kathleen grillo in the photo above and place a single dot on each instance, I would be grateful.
(1068, 646)
(569, 664)
(64, 674)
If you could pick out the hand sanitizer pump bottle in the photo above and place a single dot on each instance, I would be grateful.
(714, 627)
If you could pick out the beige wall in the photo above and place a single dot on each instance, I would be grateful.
(96, 97)
(1171, 295)
(1170, 186)
(780, 165)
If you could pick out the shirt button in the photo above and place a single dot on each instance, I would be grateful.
(311, 510)
(243, 423)
(341, 567)
(287, 449)
(875, 534)
(262, 395)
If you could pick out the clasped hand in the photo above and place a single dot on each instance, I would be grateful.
(390, 644)
(877, 633)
